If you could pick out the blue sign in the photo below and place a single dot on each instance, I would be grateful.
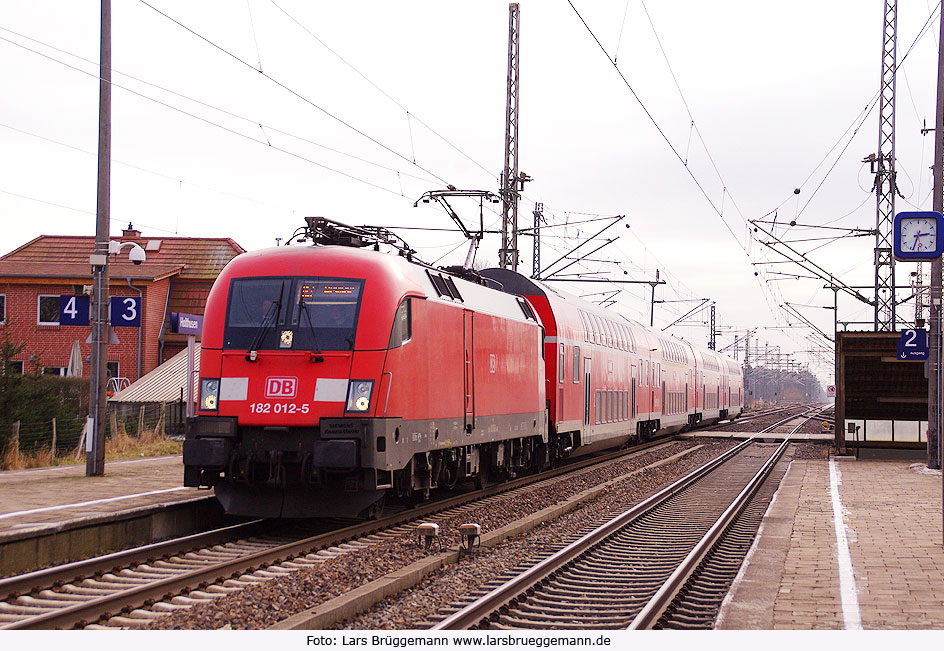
(126, 311)
(186, 324)
(74, 310)
(913, 344)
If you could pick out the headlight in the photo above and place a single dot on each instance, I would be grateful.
(358, 395)
(209, 394)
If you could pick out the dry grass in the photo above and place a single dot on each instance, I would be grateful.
(120, 445)
(149, 444)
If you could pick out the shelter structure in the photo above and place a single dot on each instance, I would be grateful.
(159, 396)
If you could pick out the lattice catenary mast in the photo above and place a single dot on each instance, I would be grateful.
(508, 255)
(883, 165)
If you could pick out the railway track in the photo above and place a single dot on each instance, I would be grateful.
(636, 567)
(130, 588)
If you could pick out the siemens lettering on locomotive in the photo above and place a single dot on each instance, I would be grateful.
(333, 375)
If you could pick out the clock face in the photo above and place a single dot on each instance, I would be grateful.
(918, 234)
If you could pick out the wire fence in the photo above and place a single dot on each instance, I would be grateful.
(64, 435)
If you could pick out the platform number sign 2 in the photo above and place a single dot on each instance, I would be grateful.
(126, 311)
(913, 344)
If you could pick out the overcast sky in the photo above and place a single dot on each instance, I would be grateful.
(722, 110)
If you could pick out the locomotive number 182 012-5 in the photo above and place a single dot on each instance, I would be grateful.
(277, 408)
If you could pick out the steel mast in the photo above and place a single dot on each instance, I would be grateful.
(508, 254)
(883, 165)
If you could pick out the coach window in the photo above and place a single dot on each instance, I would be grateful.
(560, 364)
(576, 364)
(402, 325)
(47, 310)
(610, 336)
(596, 396)
(597, 330)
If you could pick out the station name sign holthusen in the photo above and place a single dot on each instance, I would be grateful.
(186, 324)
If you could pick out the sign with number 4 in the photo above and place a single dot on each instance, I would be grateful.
(74, 310)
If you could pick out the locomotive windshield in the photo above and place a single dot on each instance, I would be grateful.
(292, 314)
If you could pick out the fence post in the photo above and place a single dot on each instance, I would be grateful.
(15, 442)
(113, 416)
(53, 438)
(81, 446)
(159, 428)
(140, 421)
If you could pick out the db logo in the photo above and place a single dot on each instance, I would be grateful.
(281, 387)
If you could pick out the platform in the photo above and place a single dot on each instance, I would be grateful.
(846, 544)
(58, 514)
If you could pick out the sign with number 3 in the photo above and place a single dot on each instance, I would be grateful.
(126, 311)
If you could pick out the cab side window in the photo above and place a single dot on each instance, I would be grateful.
(402, 325)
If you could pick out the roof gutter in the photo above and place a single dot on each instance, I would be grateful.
(160, 335)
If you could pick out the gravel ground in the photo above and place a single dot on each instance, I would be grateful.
(815, 426)
(265, 603)
(416, 607)
(811, 450)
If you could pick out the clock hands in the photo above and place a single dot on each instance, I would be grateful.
(917, 240)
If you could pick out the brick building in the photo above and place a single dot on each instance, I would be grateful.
(176, 277)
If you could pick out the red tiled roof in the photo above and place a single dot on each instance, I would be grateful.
(198, 258)
(18, 269)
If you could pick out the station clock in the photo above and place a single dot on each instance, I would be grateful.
(918, 235)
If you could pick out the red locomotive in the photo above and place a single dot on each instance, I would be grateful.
(331, 375)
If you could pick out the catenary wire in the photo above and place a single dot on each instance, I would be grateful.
(295, 93)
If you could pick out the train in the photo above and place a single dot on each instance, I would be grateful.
(335, 375)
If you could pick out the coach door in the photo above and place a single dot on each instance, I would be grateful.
(587, 394)
(469, 374)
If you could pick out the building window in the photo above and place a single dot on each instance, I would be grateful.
(47, 312)
(54, 370)
(15, 366)
(112, 370)
(3, 309)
